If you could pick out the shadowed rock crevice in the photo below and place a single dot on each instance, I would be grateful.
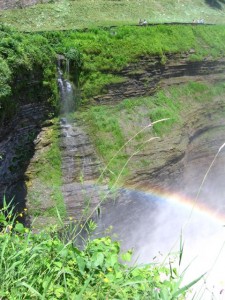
(17, 148)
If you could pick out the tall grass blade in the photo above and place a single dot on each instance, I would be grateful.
(125, 144)
(35, 292)
(59, 217)
(181, 250)
(186, 287)
(79, 296)
(99, 204)
(3, 250)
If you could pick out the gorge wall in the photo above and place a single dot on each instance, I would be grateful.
(147, 76)
(150, 73)
(18, 131)
(172, 158)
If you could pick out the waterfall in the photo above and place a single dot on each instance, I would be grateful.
(67, 90)
(67, 66)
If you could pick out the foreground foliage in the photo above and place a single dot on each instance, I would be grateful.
(43, 266)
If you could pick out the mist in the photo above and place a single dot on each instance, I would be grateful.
(154, 226)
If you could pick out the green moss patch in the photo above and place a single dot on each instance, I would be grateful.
(45, 179)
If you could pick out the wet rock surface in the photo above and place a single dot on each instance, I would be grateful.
(81, 169)
(79, 158)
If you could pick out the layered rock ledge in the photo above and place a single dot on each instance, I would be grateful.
(149, 74)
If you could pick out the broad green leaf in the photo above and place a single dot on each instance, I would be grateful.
(2, 218)
(97, 259)
(81, 264)
(127, 256)
(19, 228)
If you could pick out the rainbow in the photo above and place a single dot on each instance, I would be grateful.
(204, 244)
(193, 205)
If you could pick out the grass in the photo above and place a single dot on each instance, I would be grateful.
(113, 125)
(44, 266)
(104, 53)
(99, 55)
(65, 14)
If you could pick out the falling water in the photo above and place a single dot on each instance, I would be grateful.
(67, 66)
(67, 90)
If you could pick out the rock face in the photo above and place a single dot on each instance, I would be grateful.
(43, 178)
(17, 148)
(172, 156)
(148, 74)
(80, 169)
(22, 118)
(204, 160)
(79, 158)
(181, 158)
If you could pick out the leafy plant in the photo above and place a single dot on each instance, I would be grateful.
(42, 266)
(5, 74)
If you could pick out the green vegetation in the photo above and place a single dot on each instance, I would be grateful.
(27, 75)
(45, 180)
(25, 59)
(43, 266)
(113, 126)
(105, 52)
(96, 57)
(70, 14)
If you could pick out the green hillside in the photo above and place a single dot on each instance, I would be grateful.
(72, 14)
